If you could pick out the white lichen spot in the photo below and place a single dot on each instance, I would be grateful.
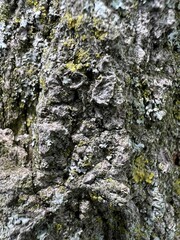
(116, 4)
(101, 10)
(77, 235)
(160, 114)
(171, 17)
(140, 53)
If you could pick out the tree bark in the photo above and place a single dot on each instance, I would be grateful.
(89, 120)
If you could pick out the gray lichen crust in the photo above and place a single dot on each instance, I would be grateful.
(89, 120)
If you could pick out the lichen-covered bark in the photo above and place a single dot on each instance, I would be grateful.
(89, 120)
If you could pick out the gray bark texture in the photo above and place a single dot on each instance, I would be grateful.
(89, 120)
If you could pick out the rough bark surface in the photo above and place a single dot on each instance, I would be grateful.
(89, 118)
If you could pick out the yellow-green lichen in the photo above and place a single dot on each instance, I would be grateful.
(73, 22)
(62, 189)
(140, 172)
(139, 233)
(22, 199)
(177, 186)
(42, 83)
(81, 143)
(82, 55)
(80, 61)
(83, 37)
(176, 110)
(22, 105)
(58, 227)
(98, 55)
(100, 35)
(73, 67)
(95, 197)
(16, 19)
(43, 12)
(97, 21)
(29, 122)
(32, 3)
(67, 152)
(69, 43)
(87, 163)
(38, 7)
(4, 12)
(30, 72)
(112, 181)
(98, 219)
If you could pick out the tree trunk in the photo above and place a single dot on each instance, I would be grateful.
(89, 120)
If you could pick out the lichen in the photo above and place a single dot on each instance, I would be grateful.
(42, 83)
(81, 143)
(177, 186)
(38, 7)
(32, 3)
(140, 172)
(58, 227)
(99, 32)
(95, 197)
(80, 61)
(82, 55)
(139, 232)
(73, 22)
(29, 121)
(69, 43)
(176, 110)
(84, 37)
(4, 12)
(100, 35)
(73, 67)
(72, 143)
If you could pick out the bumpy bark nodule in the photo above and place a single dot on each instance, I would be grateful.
(89, 120)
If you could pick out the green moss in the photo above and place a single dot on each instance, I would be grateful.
(140, 172)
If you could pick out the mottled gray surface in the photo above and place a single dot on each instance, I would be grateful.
(89, 120)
